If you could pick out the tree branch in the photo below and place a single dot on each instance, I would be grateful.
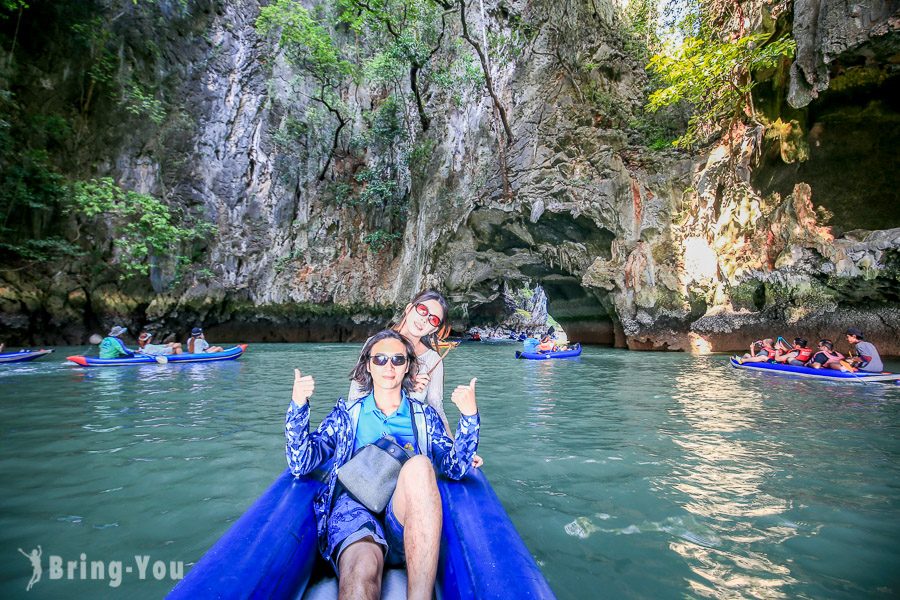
(487, 73)
(499, 112)
(337, 132)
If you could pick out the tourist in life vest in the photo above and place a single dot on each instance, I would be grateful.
(358, 540)
(798, 355)
(423, 324)
(827, 357)
(765, 353)
(547, 344)
(867, 357)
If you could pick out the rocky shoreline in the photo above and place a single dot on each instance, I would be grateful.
(787, 225)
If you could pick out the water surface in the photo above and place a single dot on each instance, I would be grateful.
(629, 475)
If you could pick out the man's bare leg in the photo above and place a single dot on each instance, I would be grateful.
(417, 505)
(361, 566)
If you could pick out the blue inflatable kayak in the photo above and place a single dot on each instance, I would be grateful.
(572, 352)
(144, 359)
(809, 372)
(22, 355)
(271, 550)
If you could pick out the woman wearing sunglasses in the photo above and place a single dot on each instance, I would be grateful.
(422, 321)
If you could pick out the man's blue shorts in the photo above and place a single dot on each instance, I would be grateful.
(350, 522)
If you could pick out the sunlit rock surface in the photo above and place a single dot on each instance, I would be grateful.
(638, 248)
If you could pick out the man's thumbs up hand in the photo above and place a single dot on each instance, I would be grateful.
(464, 398)
(303, 388)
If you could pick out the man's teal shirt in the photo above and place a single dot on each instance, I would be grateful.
(374, 424)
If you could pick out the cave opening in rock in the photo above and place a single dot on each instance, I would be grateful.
(852, 131)
(534, 306)
(519, 311)
(519, 254)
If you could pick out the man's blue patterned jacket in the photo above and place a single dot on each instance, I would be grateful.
(331, 445)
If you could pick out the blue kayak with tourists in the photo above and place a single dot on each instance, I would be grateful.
(847, 376)
(271, 551)
(146, 359)
(22, 355)
(570, 352)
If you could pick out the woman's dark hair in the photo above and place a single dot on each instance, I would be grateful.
(360, 373)
(827, 344)
(430, 341)
(800, 342)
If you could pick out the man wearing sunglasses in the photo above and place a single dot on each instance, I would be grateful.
(357, 542)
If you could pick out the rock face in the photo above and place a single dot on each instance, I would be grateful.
(637, 248)
(832, 35)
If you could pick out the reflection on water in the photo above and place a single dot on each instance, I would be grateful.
(719, 474)
(538, 378)
(628, 475)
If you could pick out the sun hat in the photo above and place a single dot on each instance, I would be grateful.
(145, 336)
(196, 331)
(854, 331)
(117, 330)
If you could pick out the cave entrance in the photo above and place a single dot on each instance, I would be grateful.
(517, 254)
(585, 316)
(533, 307)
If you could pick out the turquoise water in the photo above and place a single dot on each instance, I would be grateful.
(629, 475)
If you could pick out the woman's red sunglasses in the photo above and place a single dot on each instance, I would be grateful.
(433, 319)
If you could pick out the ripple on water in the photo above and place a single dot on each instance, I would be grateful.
(642, 475)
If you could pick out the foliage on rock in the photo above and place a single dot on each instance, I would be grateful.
(42, 196)
(142, 226)
(715, 78)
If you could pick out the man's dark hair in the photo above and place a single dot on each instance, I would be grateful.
(360, 374)
(827, 344)
(856, 332)
(800, 342)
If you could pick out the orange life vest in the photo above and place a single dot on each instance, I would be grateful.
(804, 354)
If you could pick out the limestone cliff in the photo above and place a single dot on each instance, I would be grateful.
(641, 248)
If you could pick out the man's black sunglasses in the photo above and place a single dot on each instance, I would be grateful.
(398, 360)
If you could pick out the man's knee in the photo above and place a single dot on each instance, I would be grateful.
(418, 466)
(417, 470)
(361, 560)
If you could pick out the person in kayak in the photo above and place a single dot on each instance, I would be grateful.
(799, 354)
(423, 320)
(827, 357)
(530, 344)
(145, 347)
(112, 346)
(357, 542)
(547, 344)
(765, 353)
(867, 358)
(197, 344)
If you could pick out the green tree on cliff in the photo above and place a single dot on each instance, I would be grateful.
(713, 70)
(410, 31)
(308, 45)
(142, 227)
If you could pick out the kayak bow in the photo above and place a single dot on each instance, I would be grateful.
(23, 355)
